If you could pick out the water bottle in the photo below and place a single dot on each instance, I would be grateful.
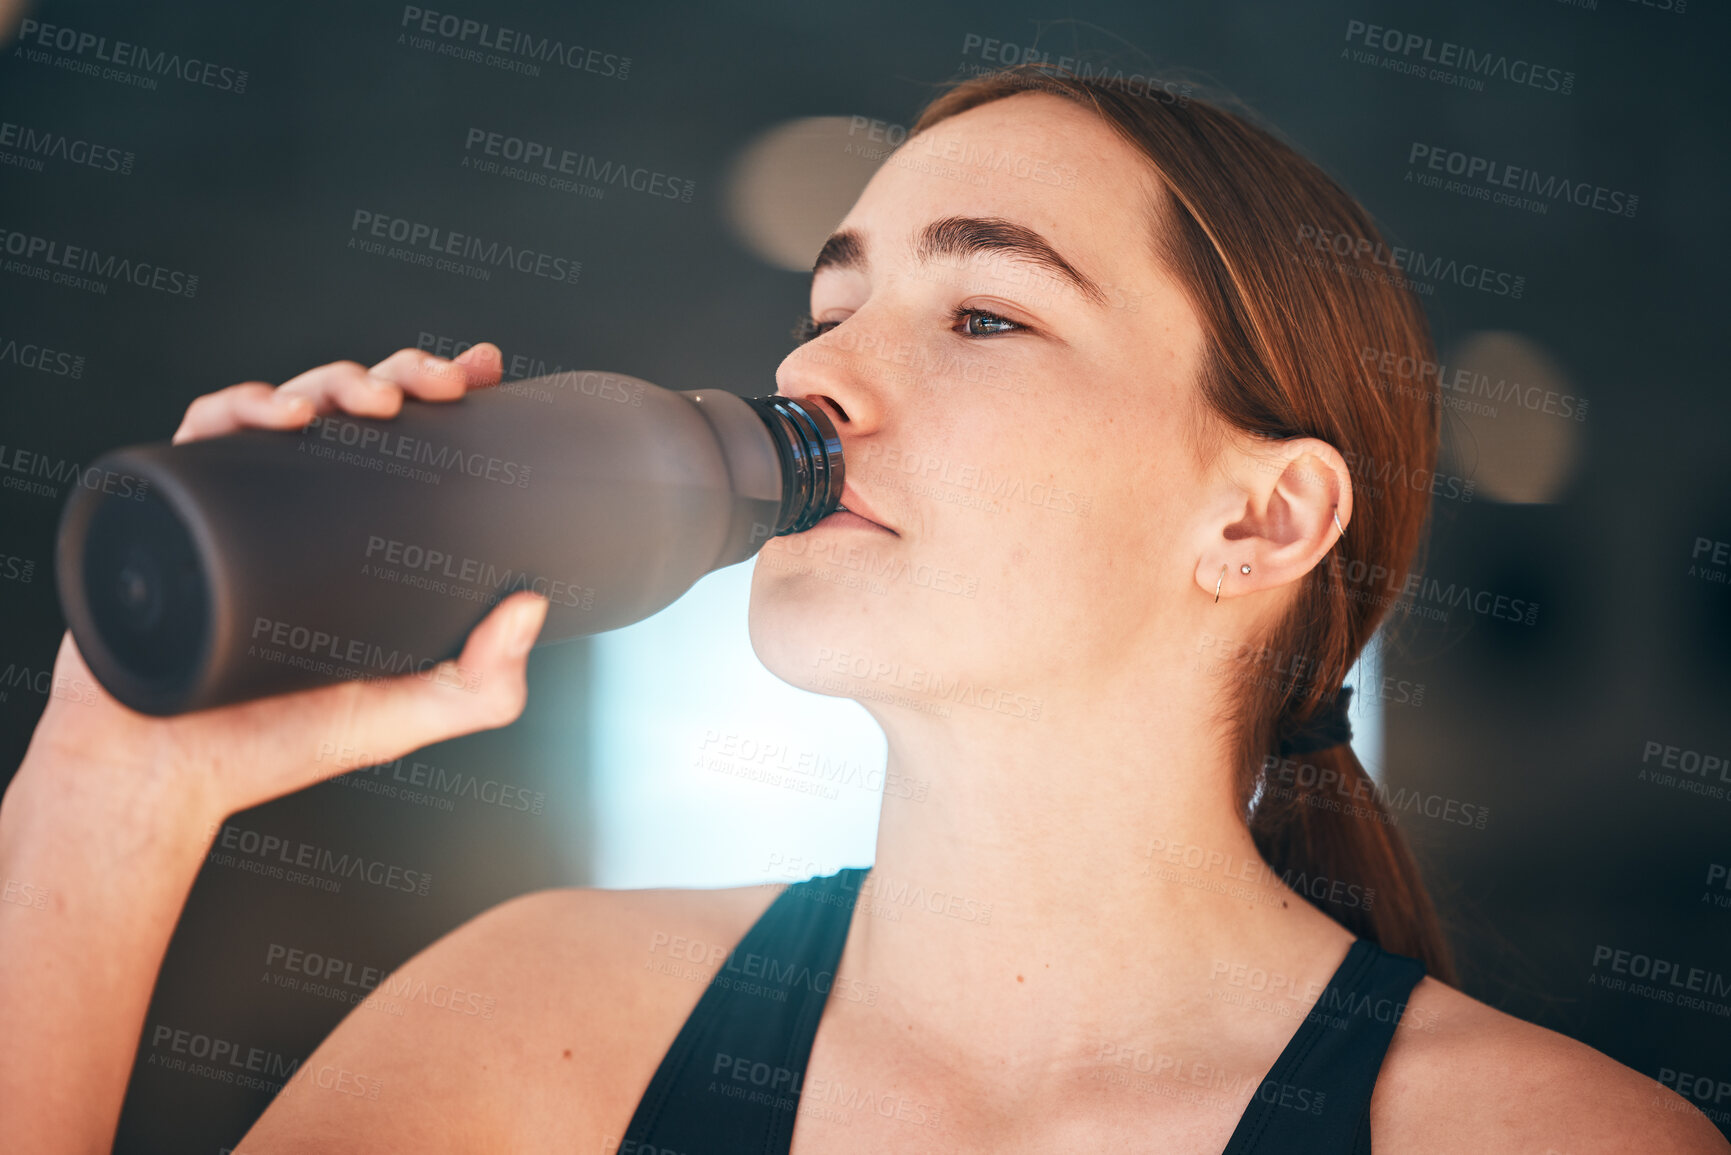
(266, 561)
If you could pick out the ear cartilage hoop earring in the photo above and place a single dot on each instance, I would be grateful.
(1337, 524)
(1244, 568)
(1217, 582)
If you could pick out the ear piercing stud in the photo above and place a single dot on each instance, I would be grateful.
(1245, 568)
(1241, 569)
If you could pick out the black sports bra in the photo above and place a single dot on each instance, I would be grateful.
(731, 1082)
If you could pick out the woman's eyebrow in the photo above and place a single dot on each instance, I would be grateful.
(843, 250)
(964, 238)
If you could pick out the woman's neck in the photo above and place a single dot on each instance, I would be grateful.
(1040, 884)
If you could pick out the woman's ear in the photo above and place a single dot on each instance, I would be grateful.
(1284, 505)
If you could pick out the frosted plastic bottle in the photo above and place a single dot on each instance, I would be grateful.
(267, 561)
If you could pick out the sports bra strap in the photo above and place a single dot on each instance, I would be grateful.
(1315, 1100)
(731, 1081)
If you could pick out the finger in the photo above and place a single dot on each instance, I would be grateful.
(420, 374)
(484, 364)
(345, 386)
(251, 404)
(436, 379)
(484, 688)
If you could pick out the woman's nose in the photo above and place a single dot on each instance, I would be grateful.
(831, 371)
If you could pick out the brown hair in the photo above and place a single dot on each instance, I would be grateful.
(1287, 339)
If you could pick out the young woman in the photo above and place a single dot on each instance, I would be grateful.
(1079, 347)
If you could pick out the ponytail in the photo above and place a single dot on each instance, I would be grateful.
(1320, 822)
(1265, 245)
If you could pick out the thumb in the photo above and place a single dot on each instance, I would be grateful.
(484, 688)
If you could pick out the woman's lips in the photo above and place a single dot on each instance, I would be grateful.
(854, 510)
(846, 517)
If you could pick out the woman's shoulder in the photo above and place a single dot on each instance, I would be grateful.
(1461, 1076)
(542, 1017)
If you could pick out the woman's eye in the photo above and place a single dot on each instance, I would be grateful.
(808, 329)
(976, 323)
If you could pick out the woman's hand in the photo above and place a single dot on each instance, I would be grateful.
(112, 812)
(234, 757)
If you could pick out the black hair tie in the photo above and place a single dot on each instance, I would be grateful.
(1325, 731)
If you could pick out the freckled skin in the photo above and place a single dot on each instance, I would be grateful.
(1038, 560)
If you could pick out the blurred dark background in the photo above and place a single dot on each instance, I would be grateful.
(1542, 726)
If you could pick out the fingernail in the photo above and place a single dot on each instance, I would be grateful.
(287, 401)
(526, 626)
(469, 354)
(377, 384)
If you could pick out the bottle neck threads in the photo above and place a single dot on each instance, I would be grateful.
(812, 472)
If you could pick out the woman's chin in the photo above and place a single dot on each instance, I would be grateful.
(799, 626)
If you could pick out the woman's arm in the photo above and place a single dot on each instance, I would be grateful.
(111, 813)
(105, 856)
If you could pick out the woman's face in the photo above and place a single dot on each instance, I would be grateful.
(1012, 375)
